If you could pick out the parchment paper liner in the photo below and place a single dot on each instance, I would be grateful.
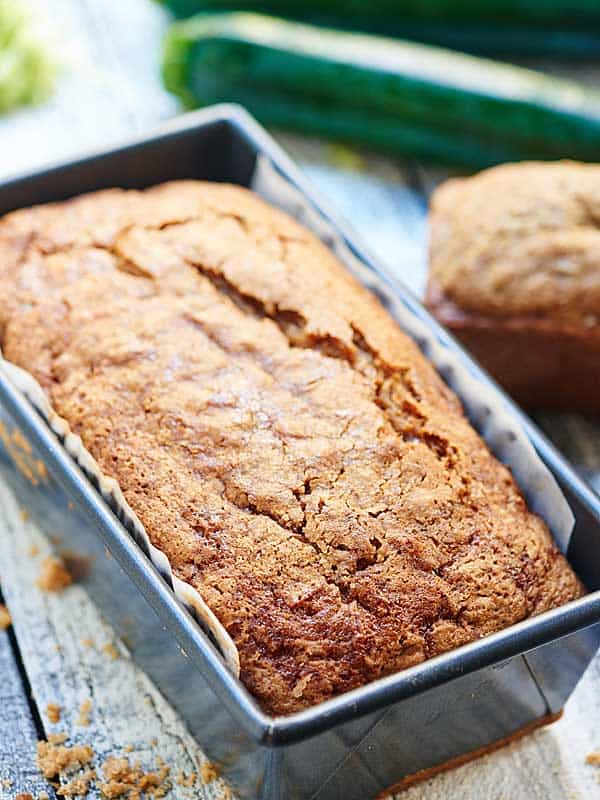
(112, 494)
(487, 412)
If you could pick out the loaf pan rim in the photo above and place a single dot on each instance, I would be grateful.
(275, 731)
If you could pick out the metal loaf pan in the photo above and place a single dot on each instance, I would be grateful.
(356, 745)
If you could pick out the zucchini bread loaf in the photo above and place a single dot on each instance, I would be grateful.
(515, 274)
(282, 441)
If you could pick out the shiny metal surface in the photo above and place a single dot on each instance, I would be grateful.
(357, 744)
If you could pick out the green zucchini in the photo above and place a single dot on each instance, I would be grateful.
(555, 12)
(521, 27)
(399, 97)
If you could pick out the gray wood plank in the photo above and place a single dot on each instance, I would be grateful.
(69, 655)
(378, 196)
(18, 733)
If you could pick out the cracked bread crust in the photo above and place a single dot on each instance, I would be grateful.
(514, 275)
(521, 240)
(282, 441)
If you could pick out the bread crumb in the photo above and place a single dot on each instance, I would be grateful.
(87, 642)
(42, 470)
(54, 576)
(5, 620)
(111, 651)
(7, 783)
(57, 738)
(186, 780)
(24, 514)
(53, 712)
(53, 758)
(34, 550)
(128, 748)
(593, 758)
(43, 796)
(79, 786)
(84, 713)
(208, 772)
(124, 779)
(23, 796)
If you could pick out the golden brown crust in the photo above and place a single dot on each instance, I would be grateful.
(521, 240)
(282, 441)
(514, 275)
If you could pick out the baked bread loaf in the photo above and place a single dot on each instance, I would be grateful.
(282, 441)
(515, 274)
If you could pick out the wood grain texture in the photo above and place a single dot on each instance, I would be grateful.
(18, 734)
(69, 654)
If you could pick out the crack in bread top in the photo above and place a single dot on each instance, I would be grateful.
(282, 441)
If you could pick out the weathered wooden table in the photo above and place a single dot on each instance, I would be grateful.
(59, 650)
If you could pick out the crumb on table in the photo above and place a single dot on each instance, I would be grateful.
(123, 778)
(54, 576)
(84, 713)
(5, 619)
(79, 786)
(53, 712)
(593, 758)
(110, 650)
(53, 757)
(186, 780)
(208, 772)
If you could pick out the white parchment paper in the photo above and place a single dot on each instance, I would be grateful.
(112, 494)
